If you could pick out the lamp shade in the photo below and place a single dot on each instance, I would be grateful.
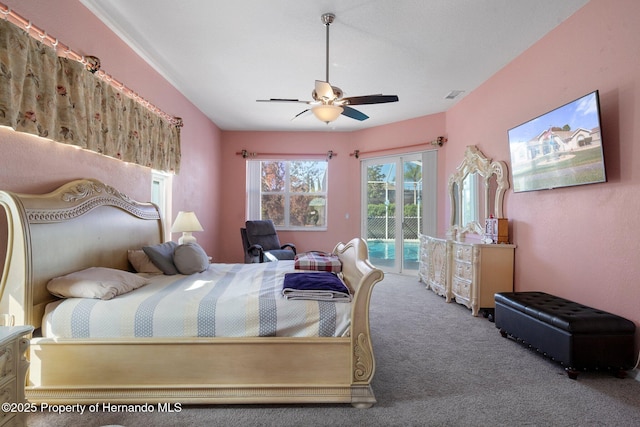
(327, 113)
(186, 221)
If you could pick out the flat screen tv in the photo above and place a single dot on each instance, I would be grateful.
(560, 148)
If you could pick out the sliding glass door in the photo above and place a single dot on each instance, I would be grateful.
(393, 211)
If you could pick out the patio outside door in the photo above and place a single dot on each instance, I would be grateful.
(393, 211)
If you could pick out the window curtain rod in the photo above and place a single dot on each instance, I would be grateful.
(245, 153)
(92, 63)
(438, 142)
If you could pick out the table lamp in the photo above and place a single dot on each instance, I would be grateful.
(186, 222)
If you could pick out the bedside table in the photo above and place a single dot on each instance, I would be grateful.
(13, 369)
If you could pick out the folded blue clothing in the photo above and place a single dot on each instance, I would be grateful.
(315, 286)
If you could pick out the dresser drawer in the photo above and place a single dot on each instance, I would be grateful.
(461, 288)
(462, 252)
(7, 364)
(13, 369)
(7, 395)
(462, 270)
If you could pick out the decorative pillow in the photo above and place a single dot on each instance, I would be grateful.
(161, 256)
(190, 258)
(141, 262)
(95, 282)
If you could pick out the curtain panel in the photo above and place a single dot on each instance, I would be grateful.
(59, 99)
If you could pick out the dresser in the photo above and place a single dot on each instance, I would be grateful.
(14, 344)
(467, 273)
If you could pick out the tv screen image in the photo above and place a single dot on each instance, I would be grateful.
(560, 148)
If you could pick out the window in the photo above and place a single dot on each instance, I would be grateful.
(293, 194)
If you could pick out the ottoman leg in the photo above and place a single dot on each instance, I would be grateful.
(621, 373)
(572, 373)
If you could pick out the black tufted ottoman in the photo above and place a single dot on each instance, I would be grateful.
(577, 336)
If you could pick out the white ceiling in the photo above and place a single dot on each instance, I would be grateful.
(223, 55)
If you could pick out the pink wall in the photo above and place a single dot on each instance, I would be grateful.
(344, 176)
(32, 165)
(574, 242)
(578, 242)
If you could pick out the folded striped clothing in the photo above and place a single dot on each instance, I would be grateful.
(320, 286)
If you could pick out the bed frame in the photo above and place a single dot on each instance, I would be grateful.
(87, 223)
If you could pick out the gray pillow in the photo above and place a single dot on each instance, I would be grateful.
(162, 256)
(190, 258)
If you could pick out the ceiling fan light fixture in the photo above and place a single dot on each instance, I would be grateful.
(328, 102)
(327, 112)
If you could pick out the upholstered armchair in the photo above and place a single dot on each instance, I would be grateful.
(261, 243)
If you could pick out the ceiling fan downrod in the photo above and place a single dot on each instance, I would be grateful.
(327, 19)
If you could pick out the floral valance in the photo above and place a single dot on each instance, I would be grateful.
(58, 98)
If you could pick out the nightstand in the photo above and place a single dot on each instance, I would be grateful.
(13, 369)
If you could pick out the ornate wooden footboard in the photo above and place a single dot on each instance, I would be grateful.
(87, 223)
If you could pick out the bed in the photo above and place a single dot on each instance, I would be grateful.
(86, 223)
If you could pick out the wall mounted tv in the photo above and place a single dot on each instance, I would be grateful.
(560, 148)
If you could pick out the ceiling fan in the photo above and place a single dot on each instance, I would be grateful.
(328, 101)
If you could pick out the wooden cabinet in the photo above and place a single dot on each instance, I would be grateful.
(13, 370)
(435, 264)
(468, 273)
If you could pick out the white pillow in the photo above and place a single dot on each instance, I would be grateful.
(141, 262)
(95, 282)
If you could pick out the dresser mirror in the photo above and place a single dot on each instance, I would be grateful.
(476, 191)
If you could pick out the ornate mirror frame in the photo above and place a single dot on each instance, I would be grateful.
(476, 162)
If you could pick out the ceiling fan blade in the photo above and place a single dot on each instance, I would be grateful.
(370, 99)
(324, 90)
(282, 100)
(353, 113)
(302, 113)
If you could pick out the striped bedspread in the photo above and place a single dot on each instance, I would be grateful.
(227, 300)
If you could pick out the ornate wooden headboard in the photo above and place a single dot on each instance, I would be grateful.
(82, 224)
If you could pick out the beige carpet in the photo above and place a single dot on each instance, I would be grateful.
(436, 366)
